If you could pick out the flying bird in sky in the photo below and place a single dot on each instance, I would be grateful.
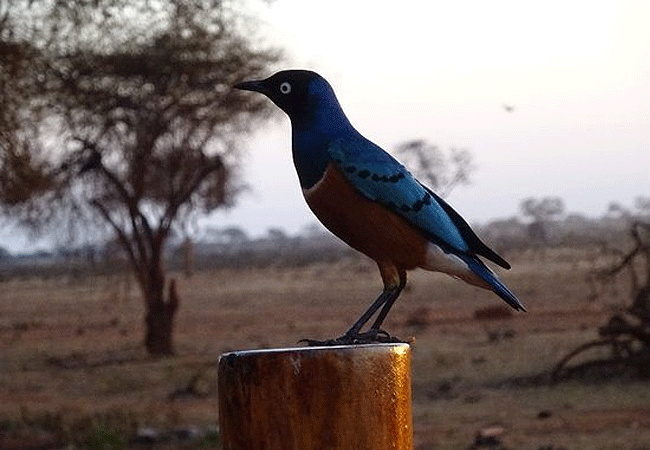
(509, 108)
(371, 201)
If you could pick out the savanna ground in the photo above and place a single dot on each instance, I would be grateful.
(72, 360)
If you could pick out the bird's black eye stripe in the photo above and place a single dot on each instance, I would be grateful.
(285, 87)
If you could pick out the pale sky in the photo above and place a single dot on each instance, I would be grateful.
(578, 73)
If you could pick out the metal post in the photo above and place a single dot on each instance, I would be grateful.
(317, 398)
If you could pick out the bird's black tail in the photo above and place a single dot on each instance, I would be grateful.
(480, 269)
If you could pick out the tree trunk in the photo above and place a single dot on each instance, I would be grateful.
(159, 321)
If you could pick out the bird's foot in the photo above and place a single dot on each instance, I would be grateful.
(356, 338)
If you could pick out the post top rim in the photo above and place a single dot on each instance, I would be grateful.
(362, 348)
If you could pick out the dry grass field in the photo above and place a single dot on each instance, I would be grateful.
(72, 367)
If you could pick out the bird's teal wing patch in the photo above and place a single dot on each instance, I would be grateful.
(379, 177)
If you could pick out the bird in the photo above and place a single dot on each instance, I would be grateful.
(508, 108)
(368, 199)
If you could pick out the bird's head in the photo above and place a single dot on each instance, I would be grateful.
(302, 94)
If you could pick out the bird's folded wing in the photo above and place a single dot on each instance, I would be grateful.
(379, 177)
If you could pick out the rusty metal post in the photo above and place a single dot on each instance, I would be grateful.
(317, 398)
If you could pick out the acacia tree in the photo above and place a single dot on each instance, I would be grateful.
(140, 124)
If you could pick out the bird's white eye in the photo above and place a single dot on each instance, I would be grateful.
(285, 87)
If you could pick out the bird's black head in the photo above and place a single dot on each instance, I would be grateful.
(298, 93)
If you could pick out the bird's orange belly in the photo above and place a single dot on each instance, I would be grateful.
(365, 225)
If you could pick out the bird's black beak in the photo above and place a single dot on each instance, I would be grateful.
(256, 86)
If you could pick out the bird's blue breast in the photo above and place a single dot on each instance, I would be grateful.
(310, 157)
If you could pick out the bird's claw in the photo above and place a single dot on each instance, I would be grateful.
(355, 338)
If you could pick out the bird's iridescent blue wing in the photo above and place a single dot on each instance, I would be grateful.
(381, 178)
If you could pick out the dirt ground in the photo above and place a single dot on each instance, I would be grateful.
(71, 348)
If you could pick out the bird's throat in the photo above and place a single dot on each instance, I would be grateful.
(310, 157)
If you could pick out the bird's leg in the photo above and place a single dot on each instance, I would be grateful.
(350, 337)
(376, 334)
(387, 295)
(389, 302)
(394, 282)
